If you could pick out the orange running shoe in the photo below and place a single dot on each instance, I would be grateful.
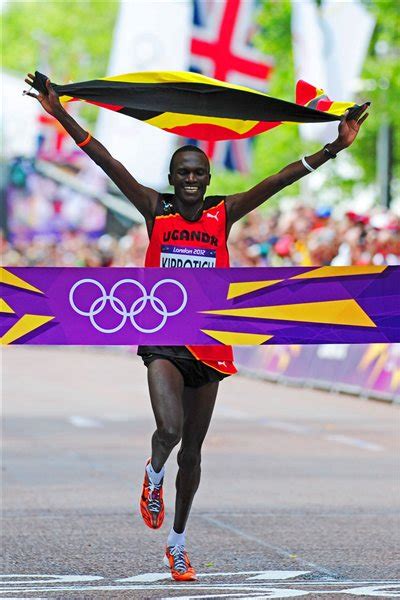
(177, 560)
(151, 502)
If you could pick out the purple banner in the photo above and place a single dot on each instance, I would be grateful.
(238, 306)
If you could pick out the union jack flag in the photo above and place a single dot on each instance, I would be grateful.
(221, 47)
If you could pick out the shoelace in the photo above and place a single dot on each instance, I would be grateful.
(178, 552)
(154, 504)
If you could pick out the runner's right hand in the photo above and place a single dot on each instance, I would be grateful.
(49, 101)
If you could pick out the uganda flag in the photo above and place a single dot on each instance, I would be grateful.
(199, 107)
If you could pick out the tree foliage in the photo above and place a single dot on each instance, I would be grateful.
(381, 84)
(69, 41)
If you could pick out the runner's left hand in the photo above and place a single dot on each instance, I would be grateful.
(350, 125)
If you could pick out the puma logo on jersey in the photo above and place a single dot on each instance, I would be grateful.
(210, 216)
(222, 362)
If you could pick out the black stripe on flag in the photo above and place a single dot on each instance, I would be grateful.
(193, 98)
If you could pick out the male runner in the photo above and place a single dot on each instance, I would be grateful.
(183, 381)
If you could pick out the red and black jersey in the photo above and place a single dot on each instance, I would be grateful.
(201, 243)
(177, 242)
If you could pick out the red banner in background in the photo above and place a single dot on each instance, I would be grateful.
(369, 370)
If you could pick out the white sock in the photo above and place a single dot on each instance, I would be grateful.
(153, 475)
(176, 539)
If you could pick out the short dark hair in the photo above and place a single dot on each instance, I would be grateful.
(187, 148)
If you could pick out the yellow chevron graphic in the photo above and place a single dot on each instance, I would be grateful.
(234, 338)
(27, 322)
(245, 287)
(5, 308)
(11, 279)
(24, 325)
(340, 272)
(333, 312)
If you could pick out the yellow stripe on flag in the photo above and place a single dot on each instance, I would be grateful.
(168, 120)
(177, 77)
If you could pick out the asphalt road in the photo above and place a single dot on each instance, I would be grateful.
(299, 494)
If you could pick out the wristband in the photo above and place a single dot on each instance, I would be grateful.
(329, 152)
(306, 165)
(85, 141)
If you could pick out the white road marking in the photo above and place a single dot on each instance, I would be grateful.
(150, 577)
(284, 515)
(261, 575)
(31, 578)
(339, 438)
(272, 593)
(78, 421)
(286, 426)
(231, 413)
(117, 417)
(350, 441)
(261, 592)
(132, 587)
(380, 591)
(274, 575)
(280, 551)
(19, 584)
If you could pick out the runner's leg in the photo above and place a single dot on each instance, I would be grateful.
(198, 405)
(166, 389)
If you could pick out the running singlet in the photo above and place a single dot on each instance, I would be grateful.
(176, 242)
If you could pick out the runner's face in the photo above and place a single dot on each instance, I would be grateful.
(190, 176)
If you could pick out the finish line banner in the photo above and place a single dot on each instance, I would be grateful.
(238, 306)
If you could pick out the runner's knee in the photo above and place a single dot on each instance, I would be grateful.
(169, 436)
(189, 459)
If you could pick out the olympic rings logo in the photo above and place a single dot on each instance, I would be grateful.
(136, 307)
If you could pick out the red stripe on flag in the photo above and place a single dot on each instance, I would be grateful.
(114, 107)
(305, 92)
(212, 133)
(324, 105)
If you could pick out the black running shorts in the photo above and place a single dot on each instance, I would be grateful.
(194, 372)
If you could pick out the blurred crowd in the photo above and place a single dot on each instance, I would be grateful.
(306, 236)
(301, 235)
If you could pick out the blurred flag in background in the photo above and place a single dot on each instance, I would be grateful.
(148, 36)
(330, 43)
(221, 47)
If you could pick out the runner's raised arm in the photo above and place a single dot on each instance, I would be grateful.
(239, 205)
(142, 197)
